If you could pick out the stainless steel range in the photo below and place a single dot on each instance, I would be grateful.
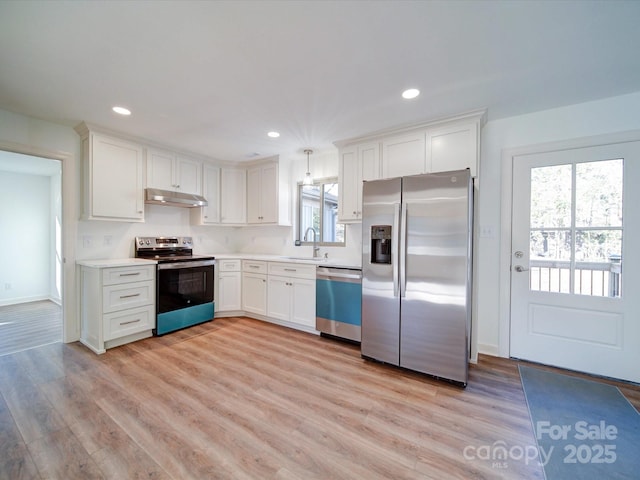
(184, 282)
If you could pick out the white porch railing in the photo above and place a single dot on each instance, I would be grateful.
(591, 278)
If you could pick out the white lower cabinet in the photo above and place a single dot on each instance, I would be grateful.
(277, 292)
(229, 296)
(254, 287)
(117, 305)
(291, 294)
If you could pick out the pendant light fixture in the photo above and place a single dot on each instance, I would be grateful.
(307, 176)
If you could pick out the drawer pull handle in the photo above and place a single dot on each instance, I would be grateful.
(129, 274)
(130, 321)
(130, 296)
(290, 270)
(254, 266)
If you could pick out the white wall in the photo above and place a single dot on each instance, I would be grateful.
(25, 214)
(610, 115)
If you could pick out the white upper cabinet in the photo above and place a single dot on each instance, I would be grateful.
(169, 171)
(453, 147)
(268, 195)
(451, 144)
(209, 215)
(356, 163)
(403, 155)
(233, 196)
(113, 177)
(262, 193)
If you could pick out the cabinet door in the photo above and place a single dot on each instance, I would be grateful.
(116, 180)
(369, 158)
(254, 293)
(403, 155)
(253, 195)
(160, 169)
(229, 291)
(279, 297)
(211, 192)
(262, 194)
(453, 147)
(303, 310)
(233, 196)
(349, 180)
(189, 175)
(269, 193)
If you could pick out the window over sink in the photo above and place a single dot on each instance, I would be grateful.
(318, 209)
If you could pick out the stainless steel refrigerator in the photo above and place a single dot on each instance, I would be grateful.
(416, 272)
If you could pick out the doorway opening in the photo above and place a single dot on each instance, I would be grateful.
(31, 291)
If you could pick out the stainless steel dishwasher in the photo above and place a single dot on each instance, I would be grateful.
(339, 302)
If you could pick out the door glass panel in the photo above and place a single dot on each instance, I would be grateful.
(599, 194)
(576, 228)
(551, 196)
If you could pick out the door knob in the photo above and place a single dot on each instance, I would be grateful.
(520, 268)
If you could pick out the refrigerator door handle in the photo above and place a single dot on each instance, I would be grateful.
(403, 251)
(394, 249)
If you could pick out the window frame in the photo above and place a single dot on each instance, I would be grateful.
(321, 182)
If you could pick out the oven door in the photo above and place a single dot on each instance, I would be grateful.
(184, 294)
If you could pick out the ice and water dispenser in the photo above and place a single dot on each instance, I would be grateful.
(380, 244)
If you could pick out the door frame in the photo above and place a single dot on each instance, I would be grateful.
(506, 211)
(70, 325)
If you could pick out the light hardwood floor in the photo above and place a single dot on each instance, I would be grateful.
(239, 398)
(29, 325)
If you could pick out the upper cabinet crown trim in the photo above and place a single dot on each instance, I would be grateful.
(474, 115)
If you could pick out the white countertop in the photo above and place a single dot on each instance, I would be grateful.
(329, 262)
(115, 262)
(125, 262)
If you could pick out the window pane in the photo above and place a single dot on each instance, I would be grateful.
(332, 231)
(599, 194)
(598, 245)
(551, 197)
(310, 208)
(550, 261)
(551, 245)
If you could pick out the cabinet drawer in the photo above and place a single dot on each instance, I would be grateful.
(112, 276)
(229, 265)
(128, 295)
(127, 322)
(296, 270)
(254, 266)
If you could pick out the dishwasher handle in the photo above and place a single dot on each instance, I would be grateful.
(328, 274)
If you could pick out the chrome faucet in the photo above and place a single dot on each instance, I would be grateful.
(316, 249)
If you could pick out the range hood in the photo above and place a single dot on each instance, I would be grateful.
(173, 199)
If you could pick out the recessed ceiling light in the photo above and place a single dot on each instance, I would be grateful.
(273, 134)
(121, 110)
(410, 93)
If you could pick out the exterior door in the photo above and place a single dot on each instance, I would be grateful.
(574, 259)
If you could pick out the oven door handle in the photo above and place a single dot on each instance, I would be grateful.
(178, 265)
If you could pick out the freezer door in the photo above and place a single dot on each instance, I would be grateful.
(436, 280)
(380, 287)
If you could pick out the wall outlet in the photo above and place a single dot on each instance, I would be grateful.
(487, 231)
(7, 286)
(87, 241)
(108, 240)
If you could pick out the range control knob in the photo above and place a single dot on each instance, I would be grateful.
(141, 242)
(148, 242)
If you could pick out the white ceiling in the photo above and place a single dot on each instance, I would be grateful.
(212, 77)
